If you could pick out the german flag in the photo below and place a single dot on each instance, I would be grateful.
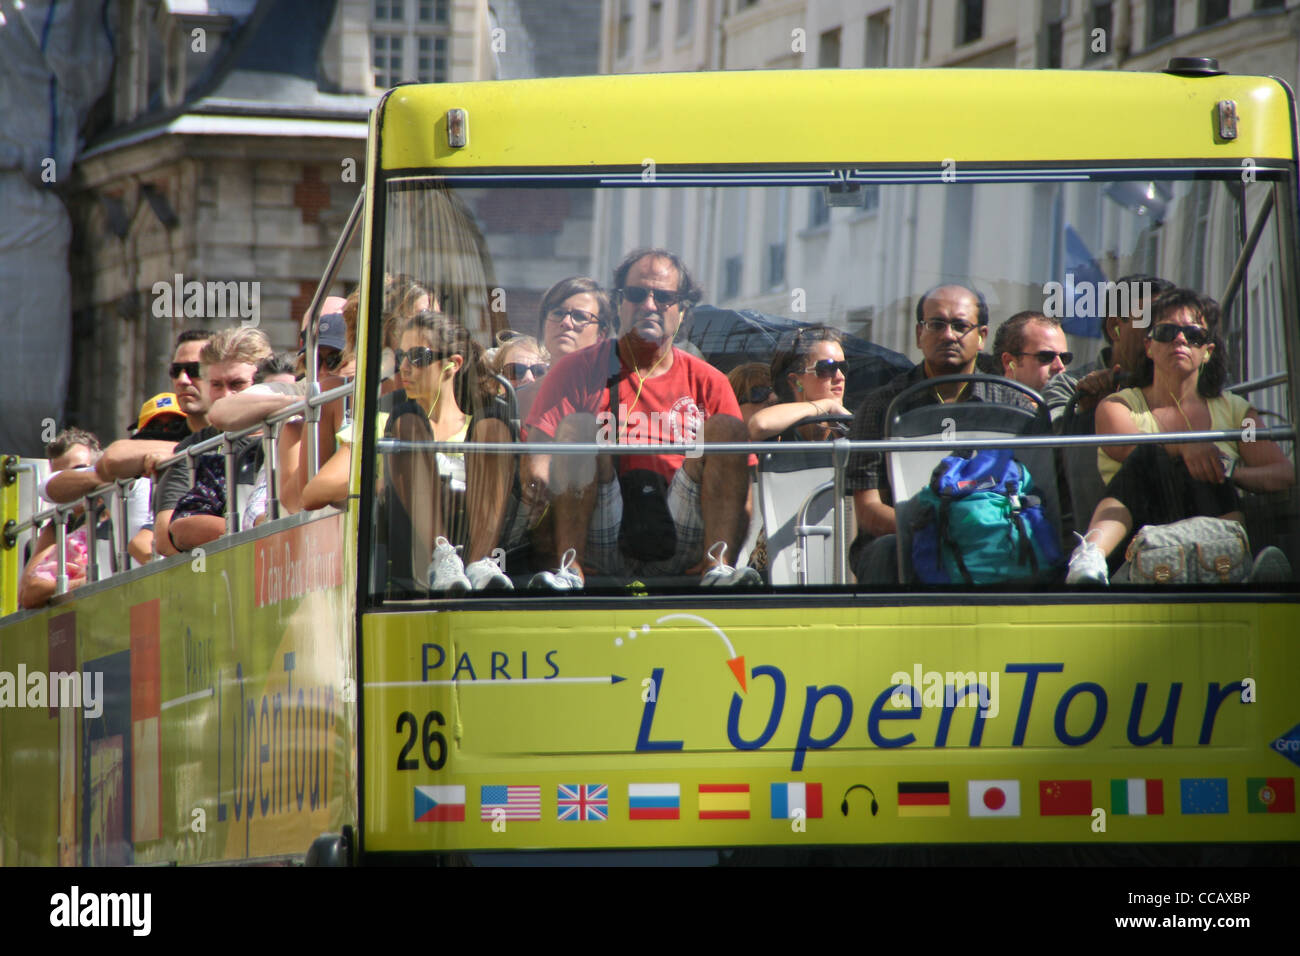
(923, 799)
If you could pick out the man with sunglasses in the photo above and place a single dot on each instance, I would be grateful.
(952, 322)
(663, 396)
(134, 457)
(1031, 348)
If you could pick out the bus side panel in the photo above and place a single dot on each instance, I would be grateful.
(1152, 722)
(208, 718)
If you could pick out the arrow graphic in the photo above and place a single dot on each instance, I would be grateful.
(736, 662)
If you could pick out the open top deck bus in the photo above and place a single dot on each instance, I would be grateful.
(301, 678)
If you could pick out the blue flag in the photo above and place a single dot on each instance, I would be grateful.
(1082, 280)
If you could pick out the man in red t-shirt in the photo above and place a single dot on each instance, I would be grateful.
(665, 396)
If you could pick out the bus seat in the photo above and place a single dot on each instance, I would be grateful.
(796, 499)
(1080, 463)
(910, 472)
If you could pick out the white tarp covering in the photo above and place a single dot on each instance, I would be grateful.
(56, 60)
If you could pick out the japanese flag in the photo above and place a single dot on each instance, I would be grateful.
(994, 798)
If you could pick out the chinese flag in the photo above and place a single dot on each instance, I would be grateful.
(1064, 798)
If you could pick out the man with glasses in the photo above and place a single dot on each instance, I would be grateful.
(952, 322)
(641, 514)
(1031, 348)
(134, 457)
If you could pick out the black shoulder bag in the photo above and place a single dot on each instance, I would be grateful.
(647, 532)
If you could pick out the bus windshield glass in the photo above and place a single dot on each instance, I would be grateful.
(531, 367)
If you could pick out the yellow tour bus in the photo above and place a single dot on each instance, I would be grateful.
(518, 634)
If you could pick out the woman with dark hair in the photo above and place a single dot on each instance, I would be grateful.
(451, 497)
(575, 313)
(808, 375)
(1181, 390)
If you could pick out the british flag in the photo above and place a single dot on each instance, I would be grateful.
(582, 803)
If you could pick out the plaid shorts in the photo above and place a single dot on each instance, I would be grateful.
(603, 553)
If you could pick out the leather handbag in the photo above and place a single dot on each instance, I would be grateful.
(1191, 551)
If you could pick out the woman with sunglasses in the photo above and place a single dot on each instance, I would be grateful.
(575, 313)
(752, 383)
(456, 502)
(521, 362)
(808, 374)
(1181, 390)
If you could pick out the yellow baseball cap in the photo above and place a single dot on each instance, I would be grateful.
(164, 403)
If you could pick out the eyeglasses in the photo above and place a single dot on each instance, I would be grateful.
(189, 368)
(330, 359)
(419, 357)
(758, 395)
(1047, 356)
(938, 326)
(579, 318)
(1168, 331)
(636, 294)
(515, 371)
(826, 368)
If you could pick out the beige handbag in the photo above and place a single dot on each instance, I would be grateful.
(1191, 551)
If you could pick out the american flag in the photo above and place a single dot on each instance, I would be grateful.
(586, 802)
(516, 803)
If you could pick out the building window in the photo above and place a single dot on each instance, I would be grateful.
(1270, 4)
(970, 21)
(775, 224)
(1160, 20)
(388, 60)
(819, 213)
(623, 41)
(654, 24)
(1213, 11)
(431, 64)
(860, 322)
(732, 240)
(877, 52)
(433, 11)
(870, 197)
(1101, 16)
(389, 10)
(685, 17)
(828, 49)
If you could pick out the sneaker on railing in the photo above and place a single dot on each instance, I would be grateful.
(486, 575)
(568, 577)
(724, 575)
(446, 570)
(1087, 564)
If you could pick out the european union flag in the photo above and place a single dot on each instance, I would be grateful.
(1204, 794)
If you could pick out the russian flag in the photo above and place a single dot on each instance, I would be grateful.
(446, 804)
(787, 798)
(654, 801)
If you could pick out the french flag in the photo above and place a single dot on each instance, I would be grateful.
(788, 799)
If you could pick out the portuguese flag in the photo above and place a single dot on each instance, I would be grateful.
(1270, 794)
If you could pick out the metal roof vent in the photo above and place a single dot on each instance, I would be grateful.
(1194, 66)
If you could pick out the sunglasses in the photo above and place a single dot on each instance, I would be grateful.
(636, 294)
(579, 318)
(960, 329)
(418, 357)
(330, 359)
(189, 368)
(515, 371)
(827, 368)
(1168, 331)
(1047, 356)
(758, 395)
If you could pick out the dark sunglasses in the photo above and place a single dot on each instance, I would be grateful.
(827, 368)
(330, 359)
(515, 371)
(1047, 356)
(189, 368)
(636, 294)
(419, 357)
(1168, 331)
(758, 395)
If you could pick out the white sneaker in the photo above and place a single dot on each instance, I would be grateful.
(486, 575)
(1087, 564)
(724, 575)
(446, 570)
(568, 577)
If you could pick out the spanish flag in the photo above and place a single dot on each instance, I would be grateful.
(724, 801)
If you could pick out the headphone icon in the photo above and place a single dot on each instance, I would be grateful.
(844, 806)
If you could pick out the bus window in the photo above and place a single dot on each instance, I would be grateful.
(478, 491)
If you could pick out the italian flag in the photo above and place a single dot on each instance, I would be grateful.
(1136, 797)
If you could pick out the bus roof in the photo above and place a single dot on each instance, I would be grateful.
(906, 117)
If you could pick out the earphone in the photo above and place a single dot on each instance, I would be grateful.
(799, 385)
(1011, 366)
(844, 806)
(449, 366)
